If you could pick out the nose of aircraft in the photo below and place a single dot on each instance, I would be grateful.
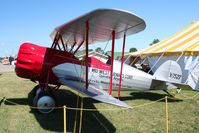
(30, 60)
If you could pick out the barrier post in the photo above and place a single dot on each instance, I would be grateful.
(2, 100)
(75, 123)
(166, 115)
(81, 111)
(64, 119)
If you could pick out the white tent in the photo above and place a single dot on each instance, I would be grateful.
(182, 47)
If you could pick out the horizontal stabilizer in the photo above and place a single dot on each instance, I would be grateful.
(93, 92)
(183, 86)
(167, 85)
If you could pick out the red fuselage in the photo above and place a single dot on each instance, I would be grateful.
(35, 62)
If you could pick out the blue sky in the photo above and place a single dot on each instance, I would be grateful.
(33, 21)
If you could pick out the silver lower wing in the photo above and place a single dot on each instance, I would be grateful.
(93, 92)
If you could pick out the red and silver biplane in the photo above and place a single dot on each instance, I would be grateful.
(58, 65)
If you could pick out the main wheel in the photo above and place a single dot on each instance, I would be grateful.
(36, 92)
(45, 103)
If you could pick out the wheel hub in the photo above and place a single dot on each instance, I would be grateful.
(46, 104)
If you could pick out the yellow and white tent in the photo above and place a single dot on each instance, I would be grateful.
(182, 47)
(184, 42)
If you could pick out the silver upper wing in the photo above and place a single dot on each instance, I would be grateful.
(101, 24)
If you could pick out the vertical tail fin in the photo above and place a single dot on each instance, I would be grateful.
(169, 71)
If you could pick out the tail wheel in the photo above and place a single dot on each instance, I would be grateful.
(46, 103)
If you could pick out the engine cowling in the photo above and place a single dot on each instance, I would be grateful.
(30, 61)
(36, 62)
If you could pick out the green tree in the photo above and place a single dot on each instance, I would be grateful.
(154, 41)
(99, 50)
(133, 50)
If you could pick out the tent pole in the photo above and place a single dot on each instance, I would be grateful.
(112, 59)
(127, 58)
(122, 62)
(143, 60)
(179, 57)
(134, 60)
(156, 63)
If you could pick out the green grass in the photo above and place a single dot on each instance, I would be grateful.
(183, 114)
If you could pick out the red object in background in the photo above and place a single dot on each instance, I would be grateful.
(5, 61)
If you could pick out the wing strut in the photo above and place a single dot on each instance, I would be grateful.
(72, 47)
(122, 62)
(56, 40)
(78, 47)
(87, 41)
(64, 45)
(112, 58)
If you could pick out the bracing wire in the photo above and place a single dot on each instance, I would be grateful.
(101, 57)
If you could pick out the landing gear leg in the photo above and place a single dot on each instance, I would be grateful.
(178, 90)
(169, 93)
(172, 92)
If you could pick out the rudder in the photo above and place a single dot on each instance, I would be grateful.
(169, 71)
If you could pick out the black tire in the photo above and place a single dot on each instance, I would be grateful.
(32, 94)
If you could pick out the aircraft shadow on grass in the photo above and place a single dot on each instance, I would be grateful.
(152, 96)
(91, 122)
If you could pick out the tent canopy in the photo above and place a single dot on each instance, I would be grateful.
(184, 42)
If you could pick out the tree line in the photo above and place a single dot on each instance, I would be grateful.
(133, 49)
